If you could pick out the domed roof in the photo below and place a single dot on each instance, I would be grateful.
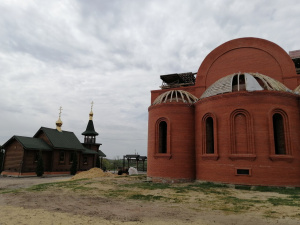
(244, 82)
(175, 96)
(297, 90)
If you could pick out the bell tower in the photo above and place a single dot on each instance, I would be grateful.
(90, 133)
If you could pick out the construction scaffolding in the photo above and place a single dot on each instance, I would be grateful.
(178, 80)
(295, 56)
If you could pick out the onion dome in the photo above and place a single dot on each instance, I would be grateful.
(59, 122)
(244, 82)
(175, 96)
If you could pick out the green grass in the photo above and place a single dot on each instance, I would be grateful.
(279, 190)
(284, 201)
(116, 193)
(8, 191)
(74, 185)
(146, 197)
(148, 186)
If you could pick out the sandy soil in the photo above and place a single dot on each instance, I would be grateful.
(104, 200)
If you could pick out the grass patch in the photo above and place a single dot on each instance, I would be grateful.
(271, 214)
(8, 191)
(279, 190)
(146, 197)
(148, 186)
(116, 193)
(243, 187)
(284, 201)
(73, 184)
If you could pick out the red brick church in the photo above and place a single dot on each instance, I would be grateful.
(237, 121)
(57, 147)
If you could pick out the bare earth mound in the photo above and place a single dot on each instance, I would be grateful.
(92, 173)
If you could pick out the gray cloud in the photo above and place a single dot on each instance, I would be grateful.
(69, 53)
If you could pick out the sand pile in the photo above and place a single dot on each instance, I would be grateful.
(92, 173)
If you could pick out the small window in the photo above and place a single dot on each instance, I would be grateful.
(71, 157)
(36, 156)
(242, 171)
(85, 160)
(61, 157)
(162, 137)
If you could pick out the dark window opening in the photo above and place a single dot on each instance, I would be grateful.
(242, 85)
(243, 172)
(61, 157)
(235, 83)
(90, 139)
(279, 137)
(209, 136)
(238, 83)
(85, 160)
(71, 157)
(36, 156)
(162, 137)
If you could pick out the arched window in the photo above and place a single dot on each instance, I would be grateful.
(209, 135)
(163, 137)
(279, 137)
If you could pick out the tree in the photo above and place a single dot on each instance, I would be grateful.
(40, 165)
(97, 161)
(74, 166)
(107, 164)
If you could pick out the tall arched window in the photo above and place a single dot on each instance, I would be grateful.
(279, 137)
(162, 137)
(209, 135)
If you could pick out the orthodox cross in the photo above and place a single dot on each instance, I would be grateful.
(92, 103)
(60, 108)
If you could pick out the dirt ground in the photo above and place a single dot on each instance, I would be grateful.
(132, 200)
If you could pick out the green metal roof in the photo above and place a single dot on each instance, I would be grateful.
(90, 130)
(63, 139)
(59, 140)
(89, 151)
(100, 153)
(31, 143)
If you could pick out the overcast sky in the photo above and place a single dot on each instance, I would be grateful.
(70, 53)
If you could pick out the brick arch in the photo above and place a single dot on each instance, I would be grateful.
(286, 130)
(241, 132)
(247, 55)
(213, 155)
(157, 133)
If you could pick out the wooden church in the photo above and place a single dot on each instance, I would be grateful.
(57, 147)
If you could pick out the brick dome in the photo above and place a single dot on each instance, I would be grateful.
(244, 82)
(175, 96)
